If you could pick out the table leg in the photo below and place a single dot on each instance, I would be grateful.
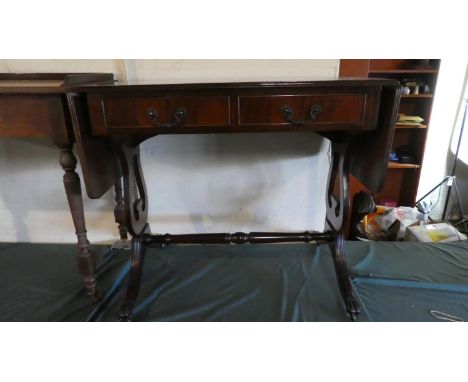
(86, 259)
(135, 207)
(131, 295)
(337, 214)
(133, 288)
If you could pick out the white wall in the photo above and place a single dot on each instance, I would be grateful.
(196, 183)
(180, 71)
(461, 171)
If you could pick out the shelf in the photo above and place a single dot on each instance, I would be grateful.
(416, 96)
(402, 165)
(397, 126)
(403, 71)
(402, 179)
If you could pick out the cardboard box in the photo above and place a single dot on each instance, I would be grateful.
(433, 233)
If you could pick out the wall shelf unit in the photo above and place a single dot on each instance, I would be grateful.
(402, 165)
(403, 126)
(416, 96)
(404, 71)
(402, 180)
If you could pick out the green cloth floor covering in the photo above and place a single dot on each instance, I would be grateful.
(282, 282)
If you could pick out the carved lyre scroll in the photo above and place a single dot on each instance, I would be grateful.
(119, 210)
(135, 195)
(136, 218)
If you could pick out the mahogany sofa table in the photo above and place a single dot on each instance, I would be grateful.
(35, 105)
(358, 116)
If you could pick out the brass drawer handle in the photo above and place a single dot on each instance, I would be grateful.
(288, 112)
(179, 117)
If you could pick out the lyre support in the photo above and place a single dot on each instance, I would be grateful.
(135, 213)
(135, 195)
(338, 208)
(119, 210)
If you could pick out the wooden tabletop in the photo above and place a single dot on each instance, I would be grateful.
(29, 86)
(48, 83)
(146, 85)
(33, 104)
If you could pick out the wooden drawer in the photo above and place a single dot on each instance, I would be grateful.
(332, 109)
(133, 113)
(23, 116)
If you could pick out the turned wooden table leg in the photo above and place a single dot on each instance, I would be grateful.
(86, 259)
(119, 211)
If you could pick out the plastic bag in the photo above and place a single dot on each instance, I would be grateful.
(389, 223)
(405, 215)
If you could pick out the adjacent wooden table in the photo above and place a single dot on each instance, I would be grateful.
(35, 105)
(358, 116)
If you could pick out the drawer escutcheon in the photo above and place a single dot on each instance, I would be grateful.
(313, 112)
(179, 117)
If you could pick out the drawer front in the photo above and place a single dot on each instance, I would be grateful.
(334, 109)
(23, 116)
(133, 113)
